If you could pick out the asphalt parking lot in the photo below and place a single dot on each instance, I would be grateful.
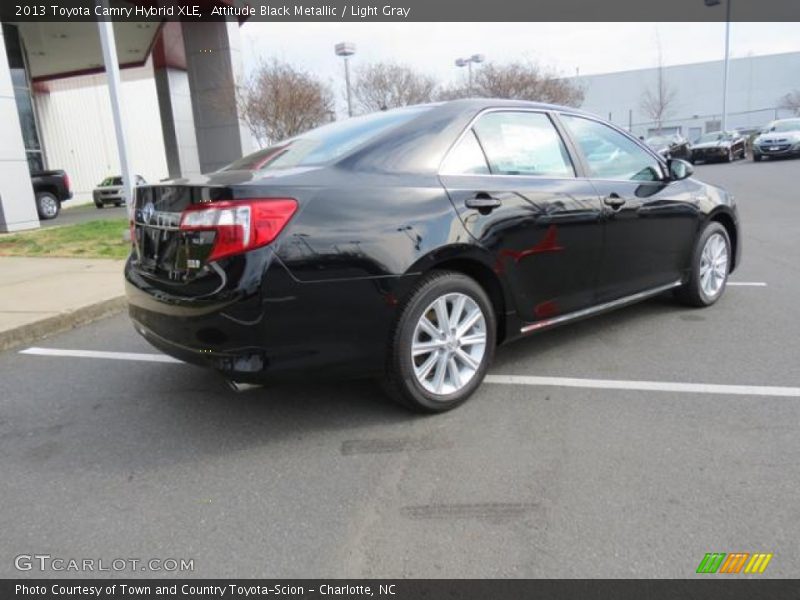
(105, 458)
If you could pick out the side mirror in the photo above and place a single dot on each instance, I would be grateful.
(679, 169)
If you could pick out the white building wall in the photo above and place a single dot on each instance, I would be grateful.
(755, 85)
(77, 129)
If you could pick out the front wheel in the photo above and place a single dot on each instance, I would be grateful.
(711, 261)
(442, 344)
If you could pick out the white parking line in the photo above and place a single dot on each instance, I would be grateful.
(748, 283)
(140, 356)
(600, 384)
(647, 386)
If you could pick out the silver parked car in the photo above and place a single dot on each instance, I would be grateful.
(779, 138)
(110, 191)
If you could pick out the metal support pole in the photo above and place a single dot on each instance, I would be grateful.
(347, 84)
(725, 70)
(106, 30)
(469, 77)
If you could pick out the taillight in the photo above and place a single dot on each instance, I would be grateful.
(239, 225)
(67, 182)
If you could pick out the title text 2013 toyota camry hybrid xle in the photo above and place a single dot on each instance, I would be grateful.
(407, 244)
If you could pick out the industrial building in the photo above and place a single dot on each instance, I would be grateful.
(177, 99)
(755, 86)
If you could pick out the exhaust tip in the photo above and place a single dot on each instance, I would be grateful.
(239, 386)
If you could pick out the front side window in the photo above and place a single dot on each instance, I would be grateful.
(610, 154)
(523, 143)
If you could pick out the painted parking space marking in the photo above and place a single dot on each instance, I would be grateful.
(530, 380)
(138, 356)
(748, 283)
(647, 386)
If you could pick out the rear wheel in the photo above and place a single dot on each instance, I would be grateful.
(442, 344)
(756, 157)
(711, 261)
(47, 205)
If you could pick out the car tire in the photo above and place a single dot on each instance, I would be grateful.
(99, 205)
(709, 272)
(756, 157)
(47, 205)
(118, 204)
(449, 367)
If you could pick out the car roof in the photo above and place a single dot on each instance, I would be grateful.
(484, 103)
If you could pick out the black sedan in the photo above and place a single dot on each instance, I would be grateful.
(719, 146)
(671, 146)
(408, 244)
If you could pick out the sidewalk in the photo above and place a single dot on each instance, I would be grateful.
(42, 296)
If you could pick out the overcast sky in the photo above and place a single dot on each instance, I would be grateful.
(432, 47)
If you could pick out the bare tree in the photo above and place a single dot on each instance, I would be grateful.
(388, 85)
(791, 101)
(518, 81)
(657, 102)
(279, 101)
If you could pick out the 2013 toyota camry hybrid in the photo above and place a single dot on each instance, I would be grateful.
(408, 244)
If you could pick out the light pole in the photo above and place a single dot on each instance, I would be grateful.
(727, 57)
(346, 50)
(467, 62)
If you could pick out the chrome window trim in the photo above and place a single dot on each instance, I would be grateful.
(548, 113)
(598, 308)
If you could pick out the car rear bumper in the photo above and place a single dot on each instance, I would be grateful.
(270, 326)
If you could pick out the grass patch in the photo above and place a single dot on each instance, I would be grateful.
(93, 239)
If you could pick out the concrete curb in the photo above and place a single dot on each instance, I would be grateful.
(25, 334)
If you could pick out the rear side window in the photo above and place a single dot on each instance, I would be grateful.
(523, 143)
(466, 158)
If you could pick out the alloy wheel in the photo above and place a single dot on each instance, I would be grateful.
(714, 265)
(449, 343)
(49, 206)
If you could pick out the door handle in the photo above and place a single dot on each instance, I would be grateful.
(614, 200)
(483, 202)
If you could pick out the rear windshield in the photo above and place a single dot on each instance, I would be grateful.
(326, 143)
